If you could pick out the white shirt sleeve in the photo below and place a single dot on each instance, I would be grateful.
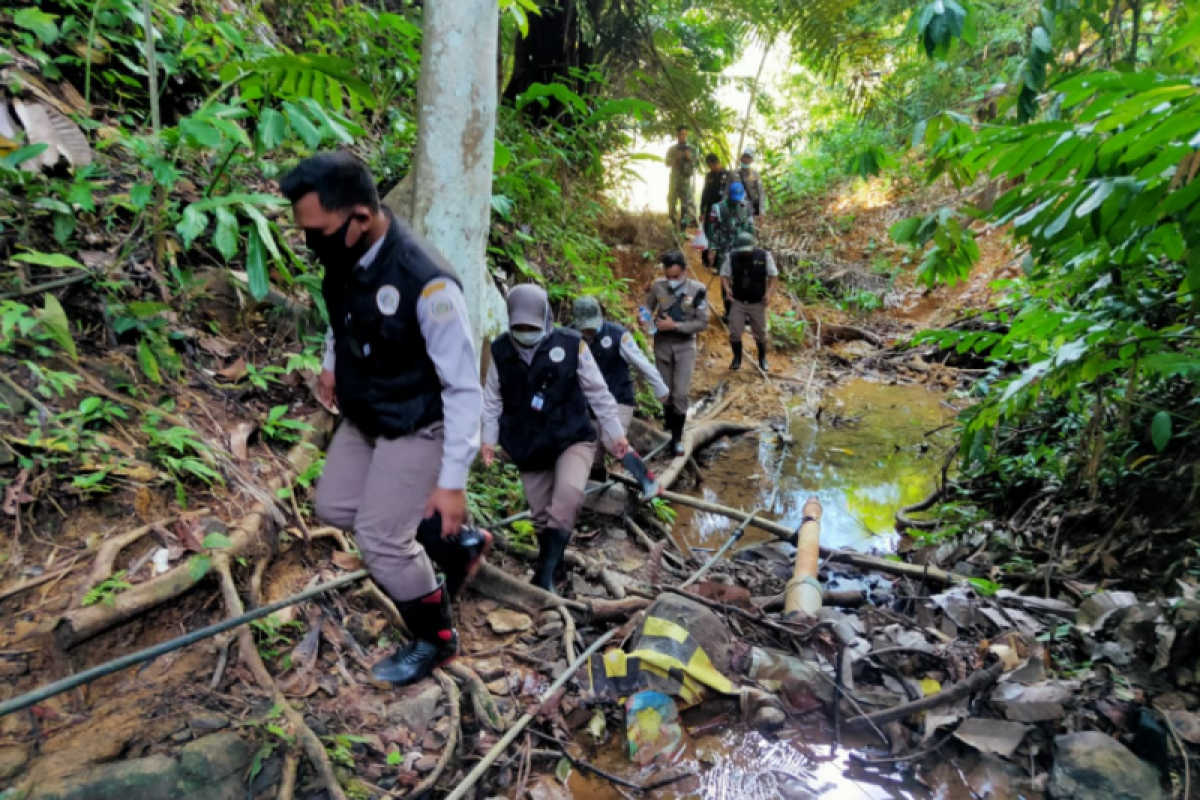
(595, 389)
(330, 358)
(634, 356)
(493, 406)
(726, 270)
(442, 315)
(772, 270)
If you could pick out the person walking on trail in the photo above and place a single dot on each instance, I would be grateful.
(615, 352)
(401, 366)
(678, 308)
(716, 180)
(540, 384)
(749, 276)
(749, 177)
(681, 198)
(730, 217)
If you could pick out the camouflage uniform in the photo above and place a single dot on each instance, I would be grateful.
(728, 218)
(682, 159)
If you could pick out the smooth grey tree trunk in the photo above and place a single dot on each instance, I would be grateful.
(451, 186)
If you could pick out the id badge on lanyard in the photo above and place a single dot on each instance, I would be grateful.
(538, 402)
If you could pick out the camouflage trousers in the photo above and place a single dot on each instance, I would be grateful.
(683, 196)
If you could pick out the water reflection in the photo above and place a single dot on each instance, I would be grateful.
(866, 457)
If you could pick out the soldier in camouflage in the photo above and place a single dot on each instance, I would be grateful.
(728, 218)
(682, 159)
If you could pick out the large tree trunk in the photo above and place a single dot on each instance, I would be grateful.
(450, 195)
(547, 54)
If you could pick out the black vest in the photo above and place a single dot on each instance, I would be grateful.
(749, 276)
(606, 347)
(534, 438)
(386, 382)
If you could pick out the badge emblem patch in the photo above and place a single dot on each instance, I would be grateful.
(557, 355)
(388, 300)
(606, 342)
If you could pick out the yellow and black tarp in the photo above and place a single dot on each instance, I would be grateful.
(668, 659)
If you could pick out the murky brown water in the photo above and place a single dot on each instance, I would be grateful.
(867, 456)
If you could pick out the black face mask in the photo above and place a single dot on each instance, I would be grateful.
(331, 249)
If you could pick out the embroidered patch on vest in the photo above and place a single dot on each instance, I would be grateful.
(606, 342)
(388, 300)
(557, 355)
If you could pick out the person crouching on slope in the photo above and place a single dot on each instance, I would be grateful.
(540, 384)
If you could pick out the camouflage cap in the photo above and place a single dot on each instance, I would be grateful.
(745, 242)
(586, 314)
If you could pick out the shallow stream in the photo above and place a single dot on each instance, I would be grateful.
(873, 449)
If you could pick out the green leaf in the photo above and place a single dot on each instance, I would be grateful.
(52, 260)
(149, 362)
(54, 320)
(217, 541)
(191, 224)
(395, 758)
(81, 194)
(198, 566)
(256, 265)
(302, 125)
(272, 128)
(904, 230)
(1160, 430)
(226, 237)
(42, 25)
(562, 771)
(200, 134)
(1041, 40)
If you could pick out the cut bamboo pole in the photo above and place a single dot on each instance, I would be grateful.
(803, 593)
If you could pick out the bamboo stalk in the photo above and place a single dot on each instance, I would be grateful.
(803, 593)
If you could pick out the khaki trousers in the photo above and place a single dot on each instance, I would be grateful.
(756, 313)
(682, 195)
(555, 496)
(378, 488)
(625, 414)
(675, 357)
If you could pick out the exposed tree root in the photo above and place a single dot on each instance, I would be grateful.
(246, 538)
(287, 784)
(110, 549)
(504, 588)
(568, 634)
(482, 701)
(845, 333)
(253, 661)
(904, 522)
(450, 749)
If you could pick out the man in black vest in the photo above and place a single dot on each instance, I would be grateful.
(540, 384)
(615, 352)
(401, 366)
(749, 276)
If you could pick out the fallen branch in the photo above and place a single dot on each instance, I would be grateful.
(977, 682)
(695, 439)
(473, 777)
(846, 333)
(842, 556)
(504, 588)
(248, 650)
(843, 598)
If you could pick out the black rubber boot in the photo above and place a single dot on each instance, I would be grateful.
(677, 434)
(458, 558)
(762, 356)
(598, 473)
(552, 543)
(434, 641)
(638, 469)
(737, 355)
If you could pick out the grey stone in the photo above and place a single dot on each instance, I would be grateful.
(213, 758)
(426, 763)
(12, 760)
(152, 778)
(416, 710)
(207, 722)
(1093, 766)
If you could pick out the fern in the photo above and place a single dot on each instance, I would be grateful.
(324, 79)
(106, 591)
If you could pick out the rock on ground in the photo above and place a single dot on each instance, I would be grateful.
(211, 768)
(1093, 766)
